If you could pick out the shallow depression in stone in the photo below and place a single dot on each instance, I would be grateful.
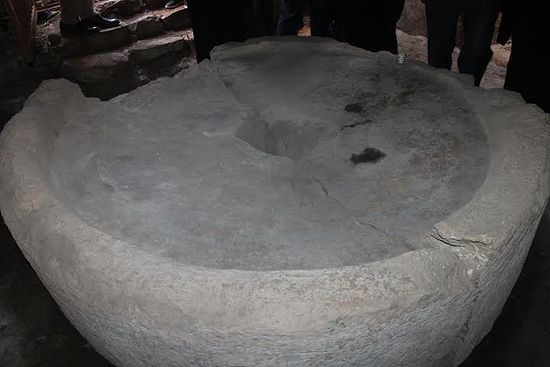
(263, 164)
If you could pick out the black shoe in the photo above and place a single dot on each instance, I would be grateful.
(44, 16)
(101, 22)
(171, 4)
(78, 29)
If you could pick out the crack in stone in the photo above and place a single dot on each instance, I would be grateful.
(456, 242)
(351, 126)
(363, 223)
(323, 187)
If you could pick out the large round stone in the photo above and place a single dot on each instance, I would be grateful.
(291, 203)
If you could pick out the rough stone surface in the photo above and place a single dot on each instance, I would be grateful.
(149, 49)
(413, 18)
(179, 19)
(103, 75)
(120, 8)
(105, 40)
(109, 74)
(217, 218)
(147, 27)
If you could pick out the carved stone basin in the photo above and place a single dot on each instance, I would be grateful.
(291, 203)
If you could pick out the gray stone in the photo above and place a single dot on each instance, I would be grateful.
(217, 218)
(120, 8)
(148, 27)
(179, 19)
(94, 67)
(105, 40)
(102, 75)
(150, 49)
(54, 39)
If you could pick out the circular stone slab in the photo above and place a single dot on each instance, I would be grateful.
(273, 164)
(291, 203)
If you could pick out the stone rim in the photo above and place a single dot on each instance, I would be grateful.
(520, 148)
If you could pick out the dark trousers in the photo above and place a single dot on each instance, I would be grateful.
(292, 13)
(529, 67)
(219, 21)
(369, 24)
(479, 27)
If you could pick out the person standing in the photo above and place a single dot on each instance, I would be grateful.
(216, 22)
(369, 24)
(529, 66)
(291, 17)
(78, 17)
(479, 26)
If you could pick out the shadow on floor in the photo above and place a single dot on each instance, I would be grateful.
(34, 332)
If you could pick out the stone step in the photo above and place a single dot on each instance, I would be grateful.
(105, 40)
(137, 27)
(120, 8)
(154, 22)
(108, 74)
(127, 8)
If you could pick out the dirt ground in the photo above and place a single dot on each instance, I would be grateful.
(34, 333)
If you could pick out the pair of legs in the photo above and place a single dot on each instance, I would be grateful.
(479, 27)
(292, 13)
(218, 21)
(369, 24)
(72, 11)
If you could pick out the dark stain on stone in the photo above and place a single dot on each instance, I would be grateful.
(360, 123)
(354, 108)
(368, 155)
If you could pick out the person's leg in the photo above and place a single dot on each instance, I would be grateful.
(385, 38)
(291, 17)
(237, 21)
(479, 29)
(218, 21)
(201, 13)
(370, 25)
(354, 22)
(528, 71)
(266, 14)
(320, 18)
(72, 11)
(442, 17)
